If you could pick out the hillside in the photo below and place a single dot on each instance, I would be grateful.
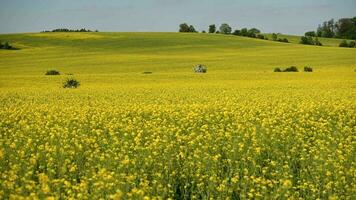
(103, 53)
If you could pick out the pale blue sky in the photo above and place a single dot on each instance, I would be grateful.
(285, 16)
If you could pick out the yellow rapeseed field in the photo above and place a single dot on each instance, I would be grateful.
(232, 133)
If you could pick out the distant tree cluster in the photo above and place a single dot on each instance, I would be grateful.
(309, 40)
(343, 28)
(6, 45)
(71, 30)
(275, 38)
(185, 28)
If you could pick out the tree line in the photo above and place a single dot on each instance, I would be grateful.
(344, 28)
(227, 30)
(70, 30)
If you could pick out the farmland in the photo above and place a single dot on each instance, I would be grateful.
(240, 131)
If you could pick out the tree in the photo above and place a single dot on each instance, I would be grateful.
(225, 29)
(346, 28)
(203, 31)
(253, 32)
(352, 44)
(184, 27)
(274, 37)
(306, 40)
(237, 32)
(244, 32)
(1, 45)
(192, 29)
(212, 28)
(310, 33)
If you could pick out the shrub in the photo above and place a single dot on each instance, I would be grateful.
(274, 37)
(261, 36)
(343, 44)
(71, 83)
(285, 40)
(146, 72)
(52, 72)
(317, 42)
(200, 69)
(308, 69)
(352, 44)
(306, 40)
(277, 69)
(291, 69)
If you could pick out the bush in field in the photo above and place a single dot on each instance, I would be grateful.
(200, 69)
(306, 40)
(291, 69)
(344, 43)
(71, 83)
(308, 69)
(277, 69)
(352, 44)
(52, 72)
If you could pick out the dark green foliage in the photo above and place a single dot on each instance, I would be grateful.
(310, 34)
(200, 69)
(70, 30)
(244, 32)
(52, 72)
(185, 28)
(71, 83)
(285, 40)
(277, 69)
(225, 29)
(6, 46)
(203, 31)
(343, 28)
(274, 37)
(344, 43)
(212, 28)
(291, 69)
(352, 44)
(237, 32)
(147, 73)
(261, 36)
(308, 69)
(253, 32)
(192, 29)
(288, 69)
(309, 41)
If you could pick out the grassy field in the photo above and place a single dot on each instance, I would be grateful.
(239, 131)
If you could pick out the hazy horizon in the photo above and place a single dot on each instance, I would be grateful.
(295, 18)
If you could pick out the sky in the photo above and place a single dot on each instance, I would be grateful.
(281, 16)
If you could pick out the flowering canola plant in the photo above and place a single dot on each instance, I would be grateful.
(178, 142)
